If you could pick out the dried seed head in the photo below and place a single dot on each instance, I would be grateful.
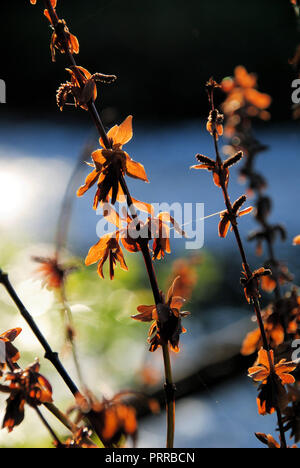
(62, 94)
(107, 79)
(233, 159)
(205, 160)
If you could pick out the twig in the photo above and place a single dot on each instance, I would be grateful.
(255, 301)
(52, 356)
(145, 249)
(49, 354)
(49, 428)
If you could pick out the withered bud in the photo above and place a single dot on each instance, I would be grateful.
(239, 203)
(107, 79)
(262, 272)
(215, 117)
(212, 84)
(62, 94)
(233, 160)
(205, 160)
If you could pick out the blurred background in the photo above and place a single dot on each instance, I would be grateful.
(163, 53)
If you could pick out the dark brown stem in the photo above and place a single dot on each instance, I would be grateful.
(145, 249)
(49, 428)
(255, 301)
(69, 328)
(49, 354)
(170, 388)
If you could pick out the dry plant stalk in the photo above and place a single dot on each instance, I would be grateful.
(110, 166)
(273, 377)
(281, 316)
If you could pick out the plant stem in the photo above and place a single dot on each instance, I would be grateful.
(255, 301)
(69, 329)
(170, 397)
(49, 428)
(49, 353)
(60, 416)
(145, 249)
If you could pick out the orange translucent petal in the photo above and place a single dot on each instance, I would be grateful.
(46, 13)
(10, 335)
(135, 169)
(89, 182)
(258, 373)
(111, 135)
(246, 211)
(172, 289)
(224, 226)
(98, 157)
(202, 166)
(177, 302)
(124, 133)
(97, 251)
(287, 379)
(145, 313)
(263, 358)
(75, 44)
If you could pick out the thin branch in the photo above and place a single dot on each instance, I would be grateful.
(61, 417)
(145, 250)
(49, 353)
(49, 428)
(255, 301)
(52, 356)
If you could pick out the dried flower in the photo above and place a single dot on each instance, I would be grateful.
(272, 393)
(251, 282)
(52, 273)
(81, 439)
(113, 419)
(110, 164)
(227, 218)
(219, 171)
(82, 87)
(108, 248)
(262, 370)
(61, 39)
(215, 123)
(166, 317)
(27, 386)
